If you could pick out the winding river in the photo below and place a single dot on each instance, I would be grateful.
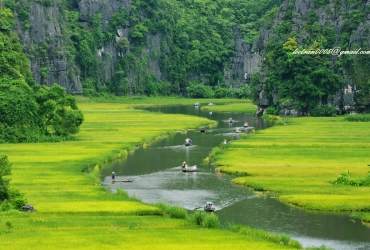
(156, 176)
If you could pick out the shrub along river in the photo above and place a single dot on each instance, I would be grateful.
(157, 176)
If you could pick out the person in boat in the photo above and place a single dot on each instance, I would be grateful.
(113, 176)
(202, 129)
(245, 124)
(184, 164)
(238, 130)
(230, 119)
(209, 205)
(188, 142)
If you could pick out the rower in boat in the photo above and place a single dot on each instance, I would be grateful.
(202, 130)
(231, 120)
(188, 142)
(245, 124)
(209, 207)
(238, 130)
(186, 168)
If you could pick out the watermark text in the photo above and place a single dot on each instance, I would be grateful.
(335, 52)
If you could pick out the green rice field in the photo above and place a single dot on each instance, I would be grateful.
(298, 160)
(62, 181)
(245, 107)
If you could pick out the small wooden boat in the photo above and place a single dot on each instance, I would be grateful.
(122, 180)
(209, 207)
(188, 142)
(189, 169)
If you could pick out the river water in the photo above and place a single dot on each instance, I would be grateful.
(157, 176)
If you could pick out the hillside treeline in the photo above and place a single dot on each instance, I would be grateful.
(30, 112)
(186, 48)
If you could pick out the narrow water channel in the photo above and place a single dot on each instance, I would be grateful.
(157, 176)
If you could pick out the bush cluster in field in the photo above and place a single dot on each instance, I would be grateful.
(358, 118)
(202, 219)
(344, 179)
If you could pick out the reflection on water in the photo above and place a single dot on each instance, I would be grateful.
(157, 176)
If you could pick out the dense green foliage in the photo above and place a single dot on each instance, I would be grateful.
(9, 198)
(183, 47)
(205, 220)
(196, 43)
(58, 112)
(344, 179)
(172, 211)
(29, 112)
(4, 171)
(301, 80)
(199, 218)
(358, 118)
(323, 110)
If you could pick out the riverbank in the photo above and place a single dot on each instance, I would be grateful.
(297, 163)
(245, 107)
(62, 181)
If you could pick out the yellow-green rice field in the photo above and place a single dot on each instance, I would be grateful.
(245, 107)
(61, 180)
(298, 160)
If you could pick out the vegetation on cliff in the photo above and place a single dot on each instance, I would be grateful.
(163, 47)
(306, 81)
(30, 112)
(195, 45)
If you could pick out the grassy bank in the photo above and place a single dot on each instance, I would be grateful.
(298, 161)
(62, 181)
(245, 107)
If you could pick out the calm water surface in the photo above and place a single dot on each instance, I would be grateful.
(157, 176)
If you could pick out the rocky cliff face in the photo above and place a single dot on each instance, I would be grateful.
(245, 62)
(107, 9)
(46, 48)
(45, 42)
(331, 14)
